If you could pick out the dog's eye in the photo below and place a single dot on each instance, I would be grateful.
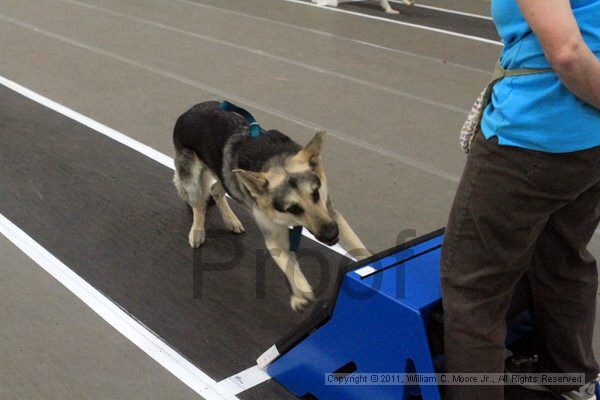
(315, 195)
(295, 209)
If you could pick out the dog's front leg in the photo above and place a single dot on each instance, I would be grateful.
(348, 239)
(286, 260)
(278, 243)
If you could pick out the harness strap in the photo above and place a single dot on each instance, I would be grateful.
(472, 124)
(295, 232)
(501, 73)
(295, 237)
(254, 128)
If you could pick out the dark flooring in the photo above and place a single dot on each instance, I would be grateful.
(392, 95)
(112, 215)
(269, 390)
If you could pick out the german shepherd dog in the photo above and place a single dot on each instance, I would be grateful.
(279, 181)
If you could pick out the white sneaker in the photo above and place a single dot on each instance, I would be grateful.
(586, 392)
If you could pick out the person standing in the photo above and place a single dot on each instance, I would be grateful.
(529, 201)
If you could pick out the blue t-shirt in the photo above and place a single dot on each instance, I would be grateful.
(537, 111)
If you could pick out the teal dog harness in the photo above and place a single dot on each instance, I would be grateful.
(254, 130)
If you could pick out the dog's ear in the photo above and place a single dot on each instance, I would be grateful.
(255, 182)
(311, 153)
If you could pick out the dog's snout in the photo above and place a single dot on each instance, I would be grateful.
(329, 233)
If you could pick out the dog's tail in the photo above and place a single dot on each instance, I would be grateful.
(209, 203)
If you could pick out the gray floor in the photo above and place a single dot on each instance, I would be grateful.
(392, 155)
(480, 7)
(52, 346)
(393, 97)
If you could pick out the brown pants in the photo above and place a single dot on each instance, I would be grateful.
(517, 212)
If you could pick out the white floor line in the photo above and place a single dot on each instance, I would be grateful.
(114, 315)
(251, 103)
(446, 10)
(397, 22)
(119, 137)
(166, 356)
(261, 53)
(147, 341)
(90, 123)
(243, 380)
(337, 37)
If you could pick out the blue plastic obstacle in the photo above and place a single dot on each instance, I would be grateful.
(384, 317)
(377, 323)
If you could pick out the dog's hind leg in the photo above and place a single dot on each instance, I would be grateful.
(190, 181)
(229, 218)
(197, 233)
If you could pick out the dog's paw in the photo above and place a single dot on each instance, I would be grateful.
(303, 297)
(303, 288)
(298, 303)
(234, 225)
(392, 11)
(309, 295)
(410, 3)
(196, 237)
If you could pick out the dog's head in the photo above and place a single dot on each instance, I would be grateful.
(293, 191)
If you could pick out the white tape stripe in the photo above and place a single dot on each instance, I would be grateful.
(119, 137)
(243, 380)
(446, 10)
(168, 162)
(338, 37)
(114, 315)
(364, 271)
(90, 123)
(267, 357)
(397, 22)
(266, 54)
(337, 248)
(427, 7)
(258, 106)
